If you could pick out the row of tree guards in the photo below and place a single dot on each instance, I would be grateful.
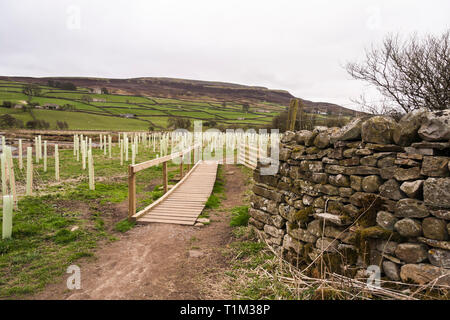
(127, 143)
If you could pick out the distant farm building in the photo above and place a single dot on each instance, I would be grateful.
(96, 90)
(98, 100)
(128, 115)
(51, 106)
(18, 106)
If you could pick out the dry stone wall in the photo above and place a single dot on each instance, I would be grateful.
(375, 192)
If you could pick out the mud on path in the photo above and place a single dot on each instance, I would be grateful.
(160, 261)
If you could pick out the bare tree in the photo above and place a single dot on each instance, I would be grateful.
(410, 74)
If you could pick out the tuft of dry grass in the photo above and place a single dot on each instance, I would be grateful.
(258, 272)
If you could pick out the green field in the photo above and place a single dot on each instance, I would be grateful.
(89, 111)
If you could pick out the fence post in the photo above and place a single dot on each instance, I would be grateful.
(165, 177)
(292, 115)
(181, 167)
(131, 192)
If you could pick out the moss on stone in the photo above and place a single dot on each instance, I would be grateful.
(293, 225)
(304, 215)
(367, 216)
(298, 149)
(312, 150)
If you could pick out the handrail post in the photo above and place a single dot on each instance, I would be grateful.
(181, 167)
(165, 182)
(131, 192)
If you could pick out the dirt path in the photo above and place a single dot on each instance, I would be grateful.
(160, 261)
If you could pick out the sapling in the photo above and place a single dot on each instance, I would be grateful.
(56, 163)
(3, 167)
(45, 156)
(7, 216)
(121, 152)
(91, 171)
(83, 154)
(110, 146)
(12, 180)
(36, 149)
(29, 185)
(20, 155)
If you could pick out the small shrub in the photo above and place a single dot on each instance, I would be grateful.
(239, 216)
(213, 202)
(124, 225)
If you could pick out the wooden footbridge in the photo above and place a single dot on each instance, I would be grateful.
(185, 201)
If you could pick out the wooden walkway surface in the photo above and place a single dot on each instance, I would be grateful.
(185, 201)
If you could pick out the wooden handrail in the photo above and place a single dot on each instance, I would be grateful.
(154, 162)
(133, 169)
(161, 199)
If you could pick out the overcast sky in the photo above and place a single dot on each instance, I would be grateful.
(299, 46)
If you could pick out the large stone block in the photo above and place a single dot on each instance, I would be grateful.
(334, 169)
(290, 243)
(385, 162)
(436, 126)
(267, 193)
(305, 137)
(301, 234)
(435, 243)
(339, 180)
(436, 192)
(311, 166)
(425, 273)
(402, 174)
(391, 189)
(411, 252)
(434, 228)
(273, 231)
(319, 177)
(408, 228)
(413, 189)
(264, 204)
(387, 172)
(260, 216)
(386, 220)
(322, 140)
(406, 132)
(351, 131)
(391, 270)
(371, 183)
(411, 208)
(435, 166)
(378, 129)
(327, 189)
(361, 170)
(356, 183)
(284, 154)
(439, 258)
(354, 161)
(370, 161)
(257, 224)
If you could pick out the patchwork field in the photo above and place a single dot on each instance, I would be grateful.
(84, 110)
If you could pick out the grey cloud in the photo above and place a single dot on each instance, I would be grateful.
(292, 45)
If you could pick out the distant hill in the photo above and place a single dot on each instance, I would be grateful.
(194, 89)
